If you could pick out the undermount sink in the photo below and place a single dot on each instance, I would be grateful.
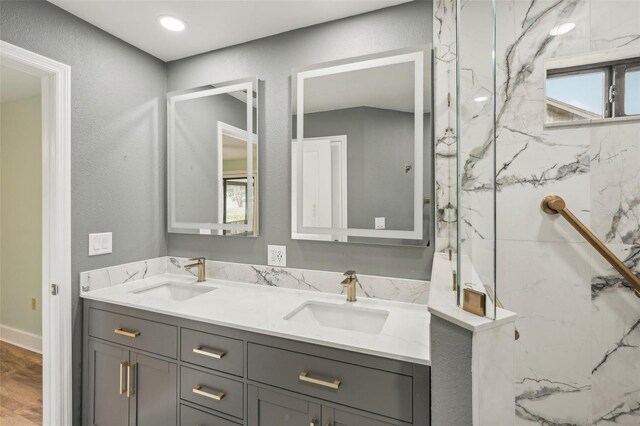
(343, 316)
(174, 291)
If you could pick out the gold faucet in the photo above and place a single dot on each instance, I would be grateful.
(350, 283)
(200, 264)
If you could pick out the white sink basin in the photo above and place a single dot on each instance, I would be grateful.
(174, 291)
(363, 320)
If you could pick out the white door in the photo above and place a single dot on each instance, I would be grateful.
(316, 184)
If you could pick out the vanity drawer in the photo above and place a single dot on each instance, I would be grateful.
(155, 337)
(191, 417)
(381, 392)
(212, 351)
(211, 391)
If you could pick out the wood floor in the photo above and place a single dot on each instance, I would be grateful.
(20, 386)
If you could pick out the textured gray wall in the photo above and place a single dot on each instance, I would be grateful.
(379, 146)
(117, 139)
(196, 154)
(450, 373)
(271, 60)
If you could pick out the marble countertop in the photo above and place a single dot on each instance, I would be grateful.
(259, 309)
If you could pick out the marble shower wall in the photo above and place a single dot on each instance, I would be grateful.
(578, 360)
(444, 122)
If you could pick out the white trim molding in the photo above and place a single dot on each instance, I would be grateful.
(56, 228)
(23, 339)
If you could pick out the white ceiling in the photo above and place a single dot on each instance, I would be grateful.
(16, 85)
(211, 24)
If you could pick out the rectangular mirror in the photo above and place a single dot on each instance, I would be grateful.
(361, 149)
(212, 157)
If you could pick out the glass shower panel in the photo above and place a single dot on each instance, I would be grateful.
(476, 260)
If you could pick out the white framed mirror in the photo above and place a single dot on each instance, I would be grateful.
(212, 157)
(361, 149)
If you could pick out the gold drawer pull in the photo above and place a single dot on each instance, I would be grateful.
(123, 332)
(218, 395)
(304, 377)
(209, 352)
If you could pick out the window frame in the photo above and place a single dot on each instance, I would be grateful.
(614, 77)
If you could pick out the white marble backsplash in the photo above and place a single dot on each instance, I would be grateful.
(396, 289)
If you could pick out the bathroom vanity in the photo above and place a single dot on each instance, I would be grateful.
(165, 350)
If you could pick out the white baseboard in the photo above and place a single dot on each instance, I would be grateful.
(21, 338)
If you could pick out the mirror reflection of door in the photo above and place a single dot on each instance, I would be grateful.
(233, 182)
(324, 182)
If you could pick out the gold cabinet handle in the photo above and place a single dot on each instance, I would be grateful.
(304, 377)
(123, 332)
(122, 389)
(130, 380)
(209, 352)
(217, 395)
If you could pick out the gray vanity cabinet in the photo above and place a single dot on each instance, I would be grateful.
(183, 372)
(154, 401)
(129, 388)
(269, 408)
(108, 404)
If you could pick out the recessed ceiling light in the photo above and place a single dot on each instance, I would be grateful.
(562, 29)
(172, 23)
(480, 99)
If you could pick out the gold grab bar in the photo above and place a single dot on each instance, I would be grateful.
(554, 204)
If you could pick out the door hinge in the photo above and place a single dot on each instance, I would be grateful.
(54, 289)
(449, 99)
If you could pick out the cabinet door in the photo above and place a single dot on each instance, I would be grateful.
(268, 408)
(108, 402)
(337, 417)
(155, 399)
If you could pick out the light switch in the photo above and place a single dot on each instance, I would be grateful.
(100, 243)
(380, 223)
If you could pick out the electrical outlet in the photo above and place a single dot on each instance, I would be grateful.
(380, 223)
(33, 304)
(277, 255)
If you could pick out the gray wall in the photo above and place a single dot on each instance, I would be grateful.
(117, 139)
(379, 146)
(451, 382)
(271, 60)
(196, 154)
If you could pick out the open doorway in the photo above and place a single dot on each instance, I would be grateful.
(35, 228)
(20, 247)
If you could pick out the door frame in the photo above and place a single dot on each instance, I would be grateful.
(56, 228)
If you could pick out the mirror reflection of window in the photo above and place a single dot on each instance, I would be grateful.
(235, 200)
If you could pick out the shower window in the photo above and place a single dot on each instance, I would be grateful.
(593, 92)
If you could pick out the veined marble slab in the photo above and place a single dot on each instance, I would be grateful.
(396, 289)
